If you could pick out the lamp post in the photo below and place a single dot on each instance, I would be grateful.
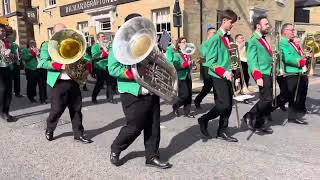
(177, 19)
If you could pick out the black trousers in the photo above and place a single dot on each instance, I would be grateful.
(282, 98)
(245, 72)
(302, 93)
(66, 93)
(184, 95)
(104, 76)
(263, 107)
(222, 90)
(34, 79)
(5, 89)
(42, 73)
(16, 79)
(207, 85)
(291, 81)
(142, 113)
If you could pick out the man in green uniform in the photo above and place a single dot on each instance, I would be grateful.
(217, 59)
(259, 57)
(65, 93)
(142, 112)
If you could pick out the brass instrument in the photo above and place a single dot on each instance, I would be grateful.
(189, 49)
(6, 55)
(311, 48)
(67, 47)
(236, 66)
(276, 61)
(135, 44)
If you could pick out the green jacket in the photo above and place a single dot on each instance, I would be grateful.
(13, 50)
(258, 57)
(45, 63)
(290, 57)
(217, 54)
(100, 63)
(31, 62)
(121, 72)
(203, 52)
(183, 70)
(170, 53)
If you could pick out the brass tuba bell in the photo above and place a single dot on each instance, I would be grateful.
(67, 47)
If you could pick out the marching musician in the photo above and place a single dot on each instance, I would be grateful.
(220, 72)
(142, 113)
(293, 62)
(7, 52)
(65, 93)
(30, 57)
(207, 80)
(101, 69)
(171, 50)
(182, 63)
(259, 57)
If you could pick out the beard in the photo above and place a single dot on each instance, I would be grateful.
(264, 31)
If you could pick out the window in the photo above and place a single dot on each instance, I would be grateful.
(50, 3)
(300, 33)
(105, 25)
(256, 11)
(161, 20)
(50, 32)
(302, 15)
(83, 27)
(278, 25)
(6, 7)
(218, 19)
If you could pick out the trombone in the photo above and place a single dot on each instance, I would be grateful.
(276, 62)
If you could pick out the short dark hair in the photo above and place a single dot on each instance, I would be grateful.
(229, 14)
(210, 29)
(2, 26)
(256, 20)
(130, 16)
(98, 35)
(284, 26)
(238, 35)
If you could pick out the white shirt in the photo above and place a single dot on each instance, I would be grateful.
(64, 76)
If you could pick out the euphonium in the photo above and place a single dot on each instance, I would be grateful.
(311, 48)
(67, 47)
(135, 44)
(189, 49)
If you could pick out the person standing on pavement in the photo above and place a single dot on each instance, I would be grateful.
(100, 54)
(207, 81)
(7, 56)
(65, 93)
(142, 113)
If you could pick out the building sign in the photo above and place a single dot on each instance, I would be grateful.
(80, 6)
(32, 15)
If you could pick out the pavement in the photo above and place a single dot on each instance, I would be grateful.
(291, 152)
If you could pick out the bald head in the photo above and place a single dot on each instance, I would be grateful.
(58, 27)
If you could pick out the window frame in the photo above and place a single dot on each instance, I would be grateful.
(164, 12)
(6, 7)
(47, 3)
(102, 21)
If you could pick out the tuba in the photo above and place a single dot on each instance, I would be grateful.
(135, 44)
(311, 48)
(67, 47)
(6, 55)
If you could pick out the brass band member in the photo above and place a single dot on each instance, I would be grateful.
(259, 56)
(142, 112)
(207, 80)
(65, 93)
(6, 67)
(220, 71)
(293, 62)
(182, 63)
(101, 69)
(30, 57)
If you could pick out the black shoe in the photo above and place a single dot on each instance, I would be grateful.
(155, 162)
(176, 112)
(248, 120)
(83, 139)
(298, 121)
(204, 128)
(246, 101)
(112, 101)
(189, 115)
(85, 88)
(43, 102)
(32, 100)
(266, 130)
(114, 158)
(283, 108)
(7, 117)
(226, 137)
(198, 106)
(94, 101)
(49, 135)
